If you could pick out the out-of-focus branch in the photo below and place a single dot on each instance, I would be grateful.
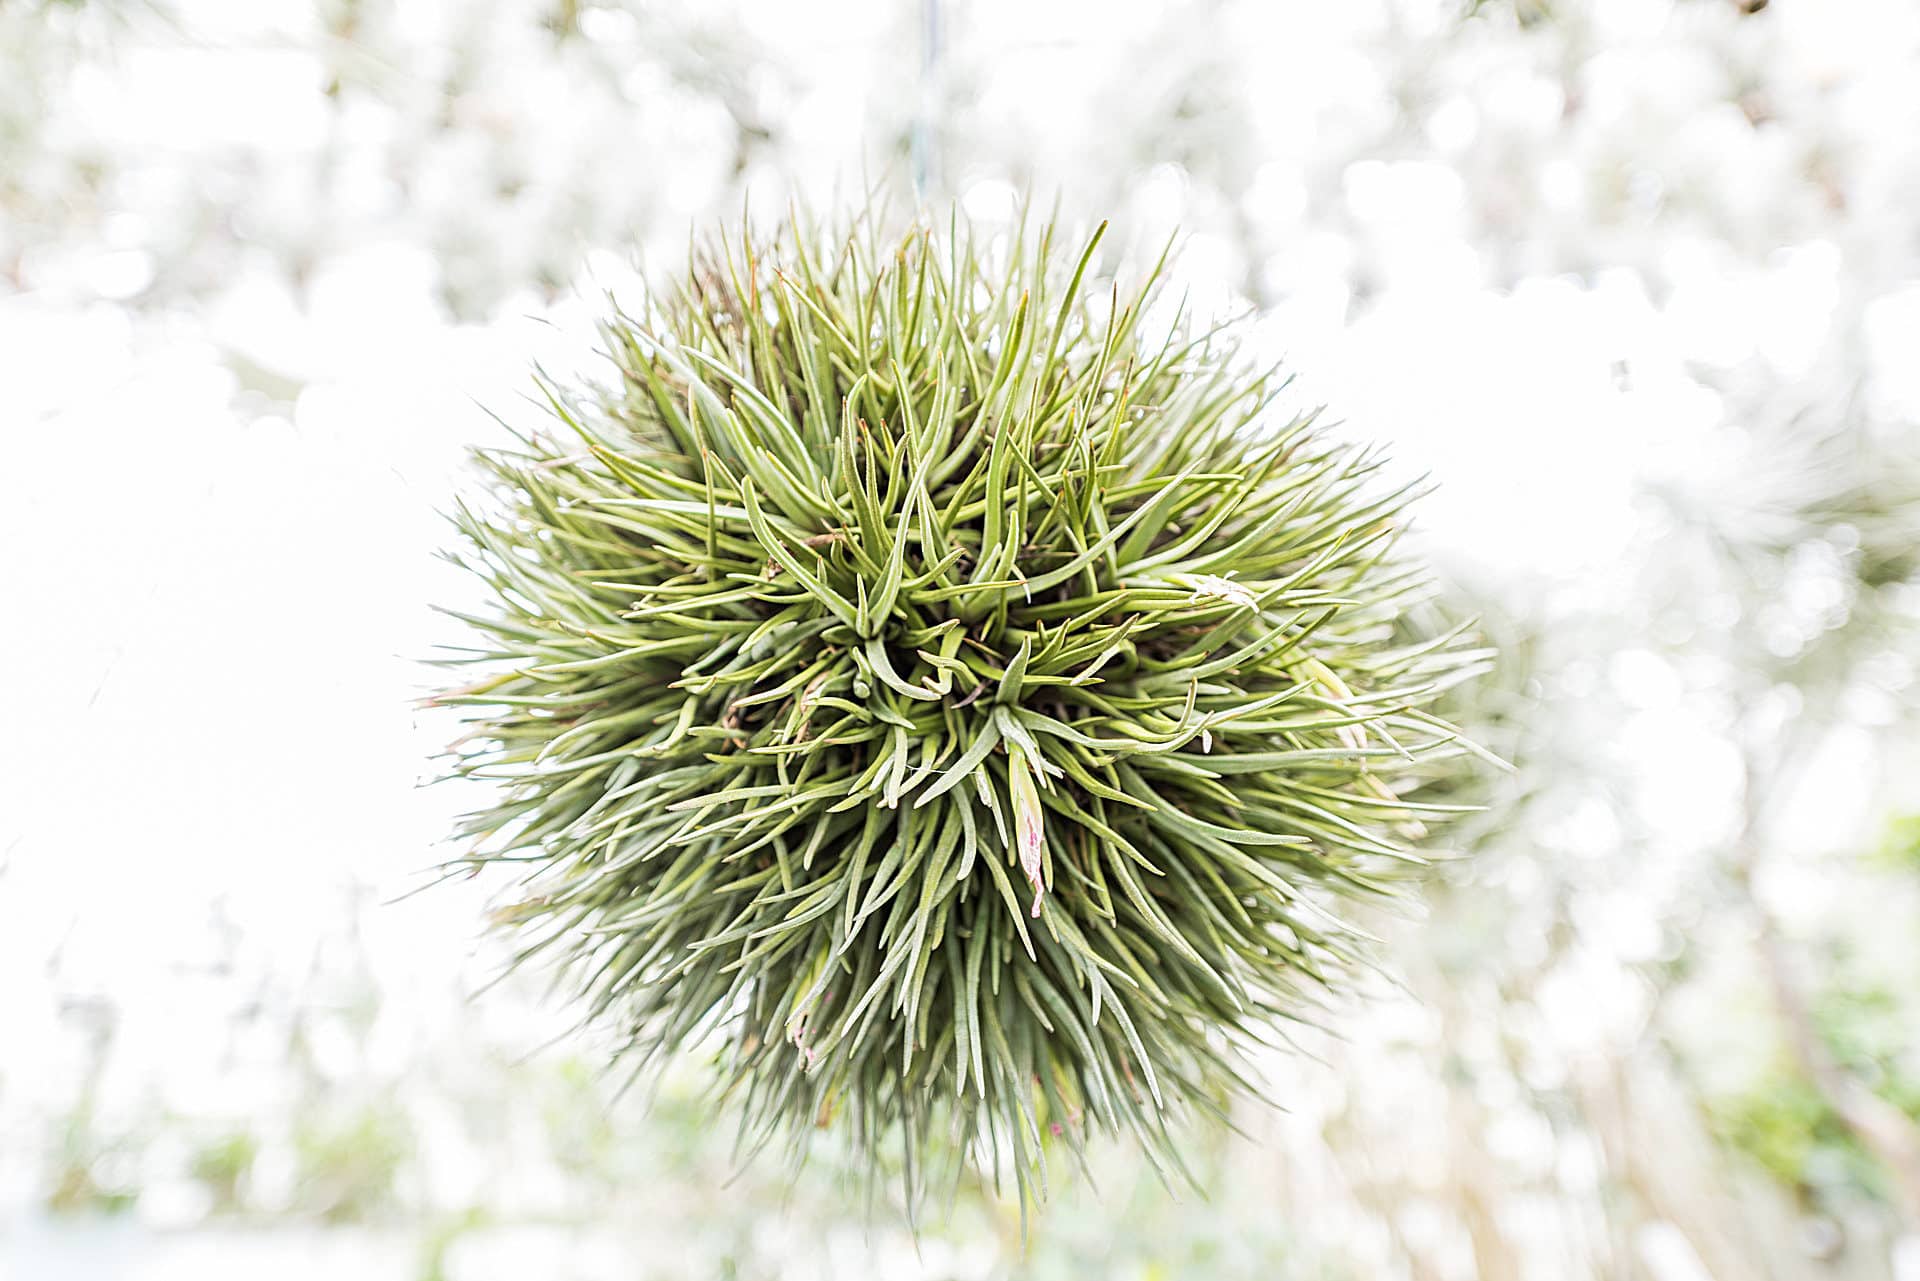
(1651, 1148)
(1883, 1130)
(1880, 1127)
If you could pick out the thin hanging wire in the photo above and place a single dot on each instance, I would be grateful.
(926, 162)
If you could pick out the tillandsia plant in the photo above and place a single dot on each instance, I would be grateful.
(957, 699)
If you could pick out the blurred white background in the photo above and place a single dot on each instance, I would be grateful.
(1637, 281)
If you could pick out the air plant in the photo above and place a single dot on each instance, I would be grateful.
(959, 698)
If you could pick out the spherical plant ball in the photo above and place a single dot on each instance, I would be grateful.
(959, 697)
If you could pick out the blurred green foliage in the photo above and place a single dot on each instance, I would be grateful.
(222, 1166)
(1900, 844)
(1786, 1127)
(1783, 1125)
(94, 1171)
(349, 1161)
